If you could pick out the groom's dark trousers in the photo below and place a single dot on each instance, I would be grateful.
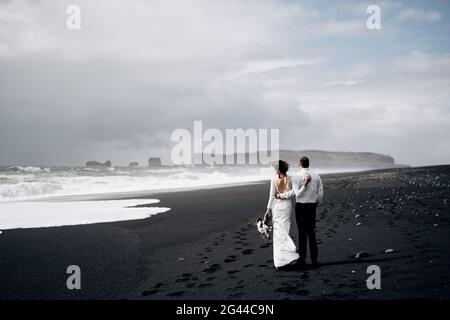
(305, 215)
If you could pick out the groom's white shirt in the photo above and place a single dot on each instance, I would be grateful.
(312, 193)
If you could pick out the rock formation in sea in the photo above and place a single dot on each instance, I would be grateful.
(93, 163)
(154, 162)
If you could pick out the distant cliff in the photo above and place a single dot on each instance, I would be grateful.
(329, 159)
(332, 159)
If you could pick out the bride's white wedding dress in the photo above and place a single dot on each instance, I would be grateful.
(284, 250)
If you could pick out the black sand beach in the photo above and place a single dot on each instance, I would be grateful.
(207, 247)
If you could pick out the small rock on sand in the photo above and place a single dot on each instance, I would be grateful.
(359, 223)
(361, 254)
(389, 251)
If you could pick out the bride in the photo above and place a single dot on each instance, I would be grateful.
(280, 211)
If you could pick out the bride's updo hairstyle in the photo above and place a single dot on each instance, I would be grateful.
(281, 166)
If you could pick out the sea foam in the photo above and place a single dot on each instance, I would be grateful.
(38, 214)
(79, 181)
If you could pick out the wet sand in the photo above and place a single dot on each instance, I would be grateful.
(207, 246)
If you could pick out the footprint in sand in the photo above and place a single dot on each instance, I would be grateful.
(175, 294)
(292, 290)
(248, 265)
(233, 271)
(262, 266)
(301, 292)
(286, 289)
(204, 285)
(213, 268)
(230, 259)
(149, 292)
(186, 277)
(247, 251)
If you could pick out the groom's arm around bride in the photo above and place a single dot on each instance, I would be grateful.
(306, 186)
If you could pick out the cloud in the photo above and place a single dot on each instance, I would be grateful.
(28, 37)
(256, 67)
(422, 64)
(139, 69)
(419, 15)
(359, 8)
(347, 28)
(150, 31)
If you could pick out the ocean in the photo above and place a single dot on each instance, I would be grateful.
(32, 196)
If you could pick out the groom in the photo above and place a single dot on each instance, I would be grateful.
(308, 190)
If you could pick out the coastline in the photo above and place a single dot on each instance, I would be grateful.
(206, 246)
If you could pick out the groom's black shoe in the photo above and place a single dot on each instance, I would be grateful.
(301, 261)
(315, 264)
(300, 264)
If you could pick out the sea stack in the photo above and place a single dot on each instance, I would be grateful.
(93, 163)
(154, 162)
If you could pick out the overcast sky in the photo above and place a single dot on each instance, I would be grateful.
(139, 69)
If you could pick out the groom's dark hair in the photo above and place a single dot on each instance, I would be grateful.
(304, 162)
